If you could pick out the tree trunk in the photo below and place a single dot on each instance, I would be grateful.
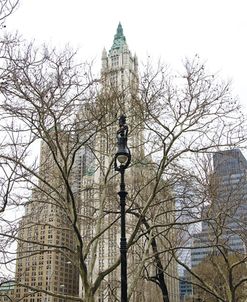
(160, 277)
(89, 296)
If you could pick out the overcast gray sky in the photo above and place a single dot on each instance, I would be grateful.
(163, 29)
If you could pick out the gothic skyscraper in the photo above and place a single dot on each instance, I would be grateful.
(100, 205)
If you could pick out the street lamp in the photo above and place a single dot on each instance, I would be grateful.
(121, 162)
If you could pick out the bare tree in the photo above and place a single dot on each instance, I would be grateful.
(7, 7)
(183, 123)
(224, 275)
(48, 97)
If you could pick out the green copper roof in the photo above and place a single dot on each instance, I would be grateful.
(119, 38)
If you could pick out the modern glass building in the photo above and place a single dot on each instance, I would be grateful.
(226, 214)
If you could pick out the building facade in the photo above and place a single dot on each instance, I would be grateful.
(46, 240)
(228, 209)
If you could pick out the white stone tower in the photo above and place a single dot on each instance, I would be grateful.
(119, 66)
(100, 183)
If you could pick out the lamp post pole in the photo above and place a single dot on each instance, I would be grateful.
(123, 245)
(122, 161)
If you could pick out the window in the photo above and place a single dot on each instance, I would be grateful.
(114, 79)
(115, 61)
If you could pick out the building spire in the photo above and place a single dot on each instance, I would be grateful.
(119, 38)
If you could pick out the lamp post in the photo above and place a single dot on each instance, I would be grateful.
(121, 162)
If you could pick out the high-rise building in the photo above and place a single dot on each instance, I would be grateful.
(45, 249)
(224, 220)
(100, 204)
